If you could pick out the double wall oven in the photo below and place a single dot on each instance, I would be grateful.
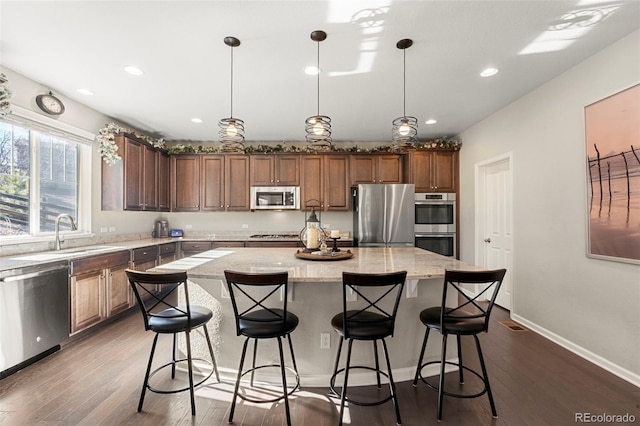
(435, 222)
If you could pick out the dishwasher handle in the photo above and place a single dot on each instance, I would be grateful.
(31, 275)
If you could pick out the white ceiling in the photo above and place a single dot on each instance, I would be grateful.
(66, 45)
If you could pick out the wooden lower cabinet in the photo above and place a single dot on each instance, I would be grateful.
(98, 289)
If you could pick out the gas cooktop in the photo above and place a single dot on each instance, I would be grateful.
(273, 236)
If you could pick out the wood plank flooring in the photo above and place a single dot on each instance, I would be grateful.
(97, 380)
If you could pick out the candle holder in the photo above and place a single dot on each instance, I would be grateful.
(312, 234)
(335, 248)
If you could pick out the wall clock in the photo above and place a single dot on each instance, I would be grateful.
(50, 104)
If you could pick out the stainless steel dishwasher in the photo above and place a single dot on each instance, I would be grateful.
(34, 313)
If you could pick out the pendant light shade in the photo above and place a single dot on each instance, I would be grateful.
(231, 129)
(405, 128)
(318, 127)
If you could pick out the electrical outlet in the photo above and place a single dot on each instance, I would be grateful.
(188, 226)
(325, 340)
(112, 229)
(104, 229)
(245, 226)
(224, 291)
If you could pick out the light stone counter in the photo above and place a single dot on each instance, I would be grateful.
(419, 264)
(315, 297)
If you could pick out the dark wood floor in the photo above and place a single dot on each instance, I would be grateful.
(96, 381)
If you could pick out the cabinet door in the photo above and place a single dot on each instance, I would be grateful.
(311, 181)
(133, 178)
(87, 300)
(212, 183)
(119, 297)
(421, 171)
(363, 169)
(336, 182)
(185, 183)
(445, 171)
(287, 170)
(262, 170)
(236, 174)
(390, 168)
(150, 178)
(163, 181)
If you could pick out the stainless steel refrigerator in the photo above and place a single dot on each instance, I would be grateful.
(383, 215)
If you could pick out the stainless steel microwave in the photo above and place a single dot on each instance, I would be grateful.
(275, 198)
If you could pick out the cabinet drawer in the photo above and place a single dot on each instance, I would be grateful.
(195, 246)
(218, 244)
(144, 254)
(102, 261)
(169, 248)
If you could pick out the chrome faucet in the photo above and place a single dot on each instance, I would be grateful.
(73, 228)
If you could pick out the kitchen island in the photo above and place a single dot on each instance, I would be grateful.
(315, 296)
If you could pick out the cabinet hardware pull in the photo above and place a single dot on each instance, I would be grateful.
(487, 240)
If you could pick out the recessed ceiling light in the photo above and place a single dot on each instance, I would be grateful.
(196, 120)
(431, 121)
(85, 91)
(312, 70)
(133, 70)
(488, 72)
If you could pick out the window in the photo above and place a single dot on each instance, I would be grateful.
(40, 178)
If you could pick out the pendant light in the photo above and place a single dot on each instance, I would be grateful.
(231, 129)
(318, 127)
(405, 128)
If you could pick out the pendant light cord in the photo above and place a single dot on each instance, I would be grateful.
(404, 82)
(231, 112)
(318, 76)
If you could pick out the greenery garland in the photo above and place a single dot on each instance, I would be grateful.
(107, 138)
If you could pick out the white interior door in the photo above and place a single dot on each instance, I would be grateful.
(494, 221)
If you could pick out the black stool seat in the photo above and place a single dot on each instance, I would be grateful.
(173, 321)
(379, 296)
(469, 317)
(153, 292)
(265, 324)
(261, 313)
(462, 325)
(366, 325)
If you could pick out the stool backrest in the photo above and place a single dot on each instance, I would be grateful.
(378, 293)
(470, 303)
(252, 292)
(157, 294)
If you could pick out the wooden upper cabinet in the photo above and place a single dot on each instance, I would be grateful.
(324, 178)
(164, 179)
(275, 170)
(237, 189)
(212, 183)
(376, 168)
(336, 182)
(434, 171)
(133, 182)
(185, 183)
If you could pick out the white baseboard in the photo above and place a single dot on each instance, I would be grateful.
(615, 369)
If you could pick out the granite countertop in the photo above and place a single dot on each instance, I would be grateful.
(419, 264)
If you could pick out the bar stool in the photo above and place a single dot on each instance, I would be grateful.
(469, 316)
(157, 296)
(373, 320)
(260, 315)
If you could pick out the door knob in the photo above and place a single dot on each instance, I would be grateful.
(487, 240)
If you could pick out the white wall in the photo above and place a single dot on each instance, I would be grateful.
(590, 306)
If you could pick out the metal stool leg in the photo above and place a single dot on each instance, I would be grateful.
(460, 364)
(235, 391)
(443, 358)
(486, 377)
(173, 357)
(293, 357)
(335, 365)
(392, 384)
(253, 364)
(190, 365)
(418, 368)
(375, 354)
(146, 376)
(346, 380)
(284, 382)
(213, 357)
